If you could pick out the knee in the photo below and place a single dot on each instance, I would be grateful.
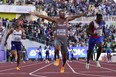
(100, 47)
(65, 56)
(57, 47)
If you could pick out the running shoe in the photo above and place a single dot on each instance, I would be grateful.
(62, 70)
(17, 68)
(98, 64)
(57, 62)
(87, 66)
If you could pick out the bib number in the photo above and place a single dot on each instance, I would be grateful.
(98, 32)
(61, 32)
(17, 38)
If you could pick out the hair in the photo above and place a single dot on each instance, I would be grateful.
(61, 10)
(18, 24)
(98, 15)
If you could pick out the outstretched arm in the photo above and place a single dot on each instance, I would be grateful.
(44, 17)
(11, 31)
(89, 29)
(76, 16)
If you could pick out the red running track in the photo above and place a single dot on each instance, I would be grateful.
(72, 69)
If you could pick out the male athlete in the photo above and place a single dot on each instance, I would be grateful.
(95, 30)
(61, 34)
(108, 50)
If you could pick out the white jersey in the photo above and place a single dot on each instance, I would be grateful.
(17, 35)
(98, 29)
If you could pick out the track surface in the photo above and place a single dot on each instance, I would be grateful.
(72, 69)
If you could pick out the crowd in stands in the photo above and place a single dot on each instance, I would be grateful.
(40, 31)
(72, 7)
(43, 32)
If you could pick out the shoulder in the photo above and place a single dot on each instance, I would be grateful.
(91, 23)
(56, 20)
(12, 29)
(103, 21)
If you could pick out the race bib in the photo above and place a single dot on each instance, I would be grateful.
(98, 32)
(61, 32)
(0, 35)
(17, 38)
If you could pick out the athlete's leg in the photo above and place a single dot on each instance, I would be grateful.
(99, 45)
(90, 48)
(99, 50)
(110, 57)
(18, 58)
(89, 51)
(56, 52)
(107, 55)
(18, 48)
(14, 53)
(64, 57)
(64, 51)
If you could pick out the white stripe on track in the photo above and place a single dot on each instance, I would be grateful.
(31, 73)
(91, 75)
(20, 67)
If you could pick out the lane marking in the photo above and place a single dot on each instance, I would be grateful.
(93, 75)
(31, 73)
(20, 67)
(95, 71)
(7, 66)
(97, 67)
(71, 68)
(105, 63)
(114, 64)
(15, 73)
(52, 72)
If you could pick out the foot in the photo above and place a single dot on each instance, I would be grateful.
(62, 70)
(54, 62)
(98, 64)
(57, 62)
(23, 61)
(87, 66)
(47, 61)
(17, 68)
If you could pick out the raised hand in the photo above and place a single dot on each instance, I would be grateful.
(87, 13)
(32, 13)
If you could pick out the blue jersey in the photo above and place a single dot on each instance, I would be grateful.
(97, 29)
(95, 39)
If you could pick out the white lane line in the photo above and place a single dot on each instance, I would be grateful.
(96, 66)
(52, 72)
(31, 73)
(20, 67)
(95, 71)
(112, 63)
(6, 66)
(71, 68)
(92, 75)
(15, 73)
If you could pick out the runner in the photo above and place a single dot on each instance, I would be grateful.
(95, 30)
(61, 34)
(18, 34)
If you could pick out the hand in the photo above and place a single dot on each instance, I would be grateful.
(87, 13)
(24, 36)
(32, 13)
(5, 43)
